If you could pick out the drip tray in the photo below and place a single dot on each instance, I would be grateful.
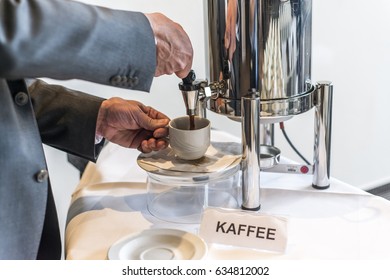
(269, 156)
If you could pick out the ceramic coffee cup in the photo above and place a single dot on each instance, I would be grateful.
(189, 144)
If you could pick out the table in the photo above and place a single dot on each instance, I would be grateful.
(342, 222)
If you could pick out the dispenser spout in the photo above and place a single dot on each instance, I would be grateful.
(190, 91)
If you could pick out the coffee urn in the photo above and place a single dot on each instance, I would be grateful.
(258, 68)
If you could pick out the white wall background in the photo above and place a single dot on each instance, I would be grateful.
(351, 48)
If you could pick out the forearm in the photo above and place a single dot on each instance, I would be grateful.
(66, 118)
(66, 39)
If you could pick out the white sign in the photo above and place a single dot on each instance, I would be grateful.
(244, 229)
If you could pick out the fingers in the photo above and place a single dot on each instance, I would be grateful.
(161, 132)
(153, 113)
(148, 123)
(183, 73)
(151, 119)
(156, 143)
(152, 141)
(153, 144)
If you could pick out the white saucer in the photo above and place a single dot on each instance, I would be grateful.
(159, 244)
(219, 157)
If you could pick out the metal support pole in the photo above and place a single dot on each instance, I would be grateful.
(322, 133)
(250, 123)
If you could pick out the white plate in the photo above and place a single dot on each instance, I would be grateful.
(159, 244)
(219, 157)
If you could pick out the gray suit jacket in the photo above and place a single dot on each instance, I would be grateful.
(61, 40)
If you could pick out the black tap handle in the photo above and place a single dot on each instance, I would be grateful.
(190, 77)
(189, 83)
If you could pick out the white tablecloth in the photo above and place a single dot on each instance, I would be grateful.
(342, 222)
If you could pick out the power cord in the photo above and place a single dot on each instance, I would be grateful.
(281, 125)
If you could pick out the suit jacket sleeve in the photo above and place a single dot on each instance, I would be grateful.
(66, 39)
(66, 119)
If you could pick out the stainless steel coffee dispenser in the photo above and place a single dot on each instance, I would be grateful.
(259, 73)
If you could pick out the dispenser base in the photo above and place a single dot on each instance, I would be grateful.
(251, 209)
(320, 187)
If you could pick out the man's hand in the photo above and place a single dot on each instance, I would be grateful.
(131, 124)
(174, 48)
